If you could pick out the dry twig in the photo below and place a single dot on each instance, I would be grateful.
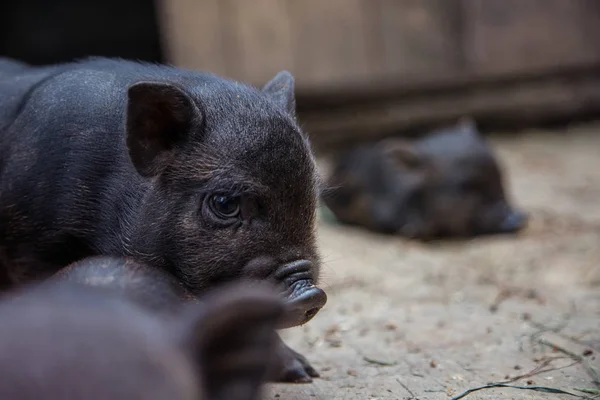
(576, 357)
(379, 362)
(412, 395)
(542, 389)
(540, 369)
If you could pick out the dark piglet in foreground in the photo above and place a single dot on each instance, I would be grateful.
(10, 67)
(150, 288)
(448, 184)
(202, 177)
(160, 293)
(67, 341)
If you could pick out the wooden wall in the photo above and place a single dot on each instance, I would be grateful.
(349, 55)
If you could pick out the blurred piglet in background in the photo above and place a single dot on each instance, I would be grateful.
(447, 184)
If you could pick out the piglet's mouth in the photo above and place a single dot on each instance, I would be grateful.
(303, 299)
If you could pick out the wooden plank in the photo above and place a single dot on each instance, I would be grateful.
(509, 102)
(328, 41)
(589, 19)
(229, 39)
(264, 39)
(191, 34)
(419, 36)
(339, 95)
(512, 35)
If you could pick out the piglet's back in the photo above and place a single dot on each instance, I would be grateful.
(69, 341)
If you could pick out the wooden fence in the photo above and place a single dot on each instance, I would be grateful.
(369, 68)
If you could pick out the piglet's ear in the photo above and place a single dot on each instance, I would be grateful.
(402, 154)
(159, 116)
(234, 340)
(281, 90)
(468, 126)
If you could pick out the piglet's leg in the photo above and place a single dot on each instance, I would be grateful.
(291, 367)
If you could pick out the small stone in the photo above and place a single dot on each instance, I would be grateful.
(390, 326)
(531, 294)
(332, 336)
(433, 364)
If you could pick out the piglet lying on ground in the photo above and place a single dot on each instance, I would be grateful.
(67, 341)
(161, 294)
(448, 184)
(207, 179)
(150, 288)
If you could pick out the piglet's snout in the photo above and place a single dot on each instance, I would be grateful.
(302, 297)
(514, 221)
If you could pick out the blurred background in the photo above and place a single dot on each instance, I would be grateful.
(364, 68)
(405, 320)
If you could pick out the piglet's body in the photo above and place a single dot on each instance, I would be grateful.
(158, 292)
(448, 184)
(150, 288)
(202, 177)
(68, 341)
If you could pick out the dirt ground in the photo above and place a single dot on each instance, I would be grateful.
(414, 321)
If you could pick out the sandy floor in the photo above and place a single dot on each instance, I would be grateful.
(411, 321)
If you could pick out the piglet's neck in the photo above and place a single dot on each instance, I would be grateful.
(121, 220)
(138, 231)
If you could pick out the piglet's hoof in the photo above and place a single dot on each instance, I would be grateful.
(291, 367)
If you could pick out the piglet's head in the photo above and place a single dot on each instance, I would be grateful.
(448, 184)
(232, 186)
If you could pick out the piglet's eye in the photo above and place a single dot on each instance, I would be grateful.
(224, 206)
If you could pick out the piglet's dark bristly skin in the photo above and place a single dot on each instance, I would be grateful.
(448, 184)
(63, 340)
(161, 294)
(152, 289)
(206, 178)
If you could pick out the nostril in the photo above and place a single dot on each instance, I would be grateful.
(303, 306)
(312, 312)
